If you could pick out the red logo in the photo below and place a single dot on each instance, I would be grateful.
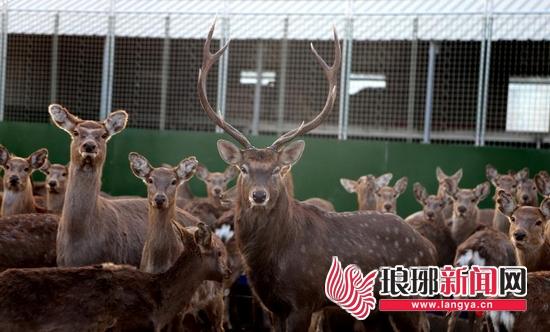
(349, 289)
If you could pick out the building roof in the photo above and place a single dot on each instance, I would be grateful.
(372, 20)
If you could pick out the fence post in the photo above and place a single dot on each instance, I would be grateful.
(54, 59)
(258, 88)
(486, 85)
(282, 79)
(222, 69)
(108, 62)
(347, 51)
(484, 71)
(165, 72)
(429, 92)
(3, 57)
(412, 80)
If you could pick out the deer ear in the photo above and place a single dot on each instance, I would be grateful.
(229, 197)
(139, 165)
(439, 174)
(203, 235)
(45, 166)
(401, 185)
(491, 173)
(383, 180)
(37, 158)
(420, 193)
(230, 173)
(482, 190)
(457, 176)
(116, 122)
(541, 181)
(202, 172)
(349, 185)
(451, 188)
(62, 118)
(186, 168)
(522, 175)
(505, 203)
(4, 155)
(291, 153)
(545, 208)
(229, 152)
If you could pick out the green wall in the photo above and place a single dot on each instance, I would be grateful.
(317, 174)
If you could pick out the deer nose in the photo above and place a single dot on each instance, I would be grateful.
(160, 200)
(387, 206)
(217, 191)
(89, 147)
(430, 214)
(525, 198)
(519, 235)
(461, 209)
(259, 196)
(14, 179)
(52, 184)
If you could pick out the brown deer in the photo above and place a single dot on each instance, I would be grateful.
(526, 192)
(287, 245)
(96, 298)
(94, 229)
(445, 180)
(542, 181)
(537, 316)
(209, 209)
(507, 182)
(164, 245)
(56, 185)
(528, 231)
(18, 197)
(28, 240)
(431, 224)
(386, 196)
(365, 187)
(466, 216)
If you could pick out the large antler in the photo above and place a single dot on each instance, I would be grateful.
(331, 73)
(208, 59)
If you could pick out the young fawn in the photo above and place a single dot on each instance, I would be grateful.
(365, 187)
(56, 185)
(431, 224)
(163, 244)
(542, 181)
(95, 298)
(386, 196)
(287, 245)
(527, 231)
(18, 197)
(466, 216)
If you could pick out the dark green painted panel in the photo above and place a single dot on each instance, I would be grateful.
(317, 174)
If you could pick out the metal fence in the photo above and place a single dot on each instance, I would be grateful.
(478, 73)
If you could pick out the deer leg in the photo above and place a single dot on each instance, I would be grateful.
(298, 321)
(451, 323)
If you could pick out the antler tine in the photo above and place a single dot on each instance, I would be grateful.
(208, 59)
(331, 76)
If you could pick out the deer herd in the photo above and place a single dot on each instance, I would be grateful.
(76, 259)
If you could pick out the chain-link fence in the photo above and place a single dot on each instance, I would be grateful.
(468, 72)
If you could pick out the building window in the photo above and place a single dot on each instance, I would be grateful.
(249, 77)
(528, 104)
(361, 81)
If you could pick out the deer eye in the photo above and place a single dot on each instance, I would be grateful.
(75, 133)
(104, 136)
(149, 180)
(174, 182)
(64, 174)
(513, 219)
(7, 166)
(26, 169)
(244, 169)
(539, 222)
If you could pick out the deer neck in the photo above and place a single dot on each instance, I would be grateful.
(500, 221)
(535, 260)
(258, 229)
(17, 202)
(366, 200)
(54, 201)
(162, 246)
(178, 284)
(469, 224)
(81, 198)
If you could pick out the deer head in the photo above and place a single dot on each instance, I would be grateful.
(365, 188)
(17, 170)
(445, 180)
(465, 210)
(386, 197)
(432, 205)
(216, 182)
(213, 252)
(262, 170)
(526, 192)
(506, 182)
(527, 223)
(162, 182)
(542, 181)
(88, 138)
(56, 177)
